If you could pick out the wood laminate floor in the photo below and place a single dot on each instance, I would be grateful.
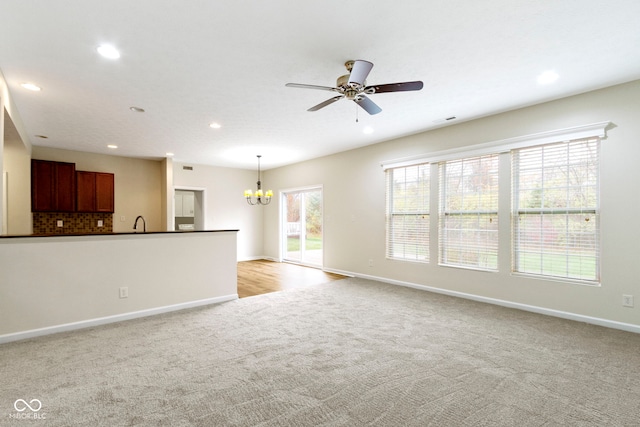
(262, 276)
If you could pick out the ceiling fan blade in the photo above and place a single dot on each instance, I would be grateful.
(303, 86)
(325, 103)
(367, 104)
(360, 71)
(394, 87)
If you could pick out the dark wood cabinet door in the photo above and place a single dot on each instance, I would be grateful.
(104, 192)
(42, 186)
(86, 191)
(65, 187)
(53, 186)
(95, 191)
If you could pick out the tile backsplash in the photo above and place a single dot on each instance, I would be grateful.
(72, 223)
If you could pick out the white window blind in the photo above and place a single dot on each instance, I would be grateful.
(468, 223)
(556, 210)
(408, 213)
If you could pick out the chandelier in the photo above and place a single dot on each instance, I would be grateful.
(260, 197)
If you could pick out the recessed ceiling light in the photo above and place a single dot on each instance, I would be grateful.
(31, 86)
(367, 130)
(137, 109)
(215, 125)
(547, 77)
(169, 154)
(113, 147)
(108, 51)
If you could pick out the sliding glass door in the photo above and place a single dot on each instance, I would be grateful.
(302, 228)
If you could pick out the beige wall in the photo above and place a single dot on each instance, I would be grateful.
(15, 125)
(3, 201)
(138, 184)
(225, 205)
(17, 165)
(167, 194)
(354, 207)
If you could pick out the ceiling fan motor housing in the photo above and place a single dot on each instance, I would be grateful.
(343, 82)
(351, 93)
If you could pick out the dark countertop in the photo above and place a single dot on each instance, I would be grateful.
(111, 234)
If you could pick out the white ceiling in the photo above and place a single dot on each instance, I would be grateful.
(190, 63)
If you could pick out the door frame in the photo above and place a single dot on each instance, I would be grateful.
(200, 209)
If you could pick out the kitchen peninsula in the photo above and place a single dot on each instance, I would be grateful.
(59, 283)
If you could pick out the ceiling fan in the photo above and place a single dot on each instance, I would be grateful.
(353, 87)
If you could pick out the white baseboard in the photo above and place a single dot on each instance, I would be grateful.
(259, 258)
(328, 270)
(629, 327)
(251, 258)
(112, 319)
(343, 273)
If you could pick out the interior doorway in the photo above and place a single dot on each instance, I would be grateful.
(302, 226)
(188, 209)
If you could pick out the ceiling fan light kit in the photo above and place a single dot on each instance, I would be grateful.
(353, 87)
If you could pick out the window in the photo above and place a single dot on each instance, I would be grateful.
(556, 210)
(555, 207)
(469, 212)
(408, 213)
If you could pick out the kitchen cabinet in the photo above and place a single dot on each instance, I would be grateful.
(105, 192)
(177, 201)
(53, 186)
(95, 191)
(185, 204)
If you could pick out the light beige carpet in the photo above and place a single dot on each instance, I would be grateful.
(347, 353)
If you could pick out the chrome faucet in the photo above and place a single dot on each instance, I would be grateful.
(144, 224)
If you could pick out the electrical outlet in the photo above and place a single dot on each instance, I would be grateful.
(59, 223)
(370, 263)
(122, 218)
(627, 300)
(124, 292)
(100, 223)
